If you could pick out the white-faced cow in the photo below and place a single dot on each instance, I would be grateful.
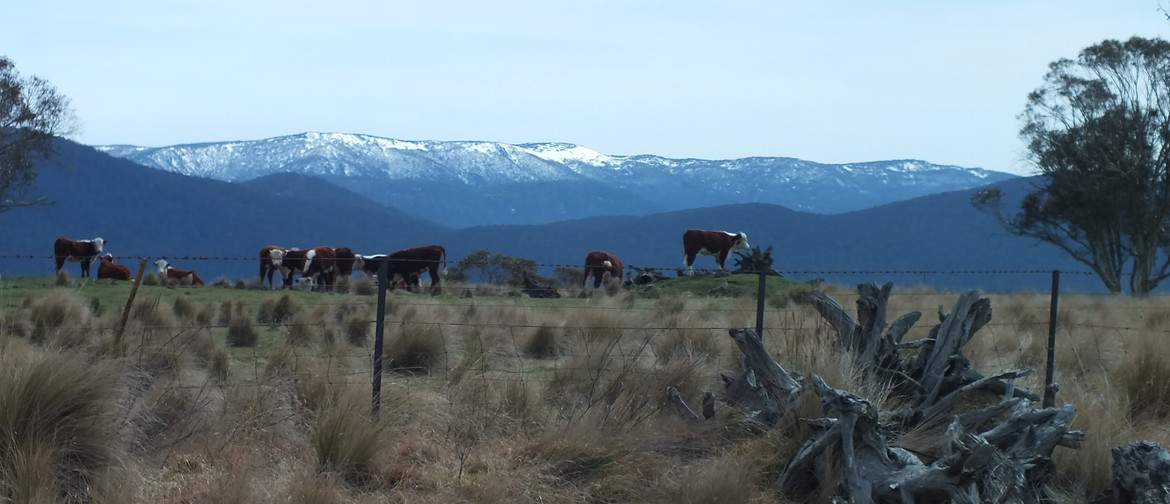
(108, 269)
(407, 265)
(318, 264)
(167, 271)
(711, 243)
(267, 268)
(597, 264)
(82, 251)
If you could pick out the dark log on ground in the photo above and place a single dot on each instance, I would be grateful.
(537, 289)
(1141, 474)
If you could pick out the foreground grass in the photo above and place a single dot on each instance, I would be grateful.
(220, 394)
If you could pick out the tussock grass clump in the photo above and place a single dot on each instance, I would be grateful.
(59, 416)
(348, 443)
(363, 286)
(222, 282)
(96, 307)
(301, 332)
(241, 333)
(184, 308)
(1147, 378)
(241, 284)
(59, 319)
(151, 278)
(357, 330)
(543, 342)
(415, 347)
(63, 279)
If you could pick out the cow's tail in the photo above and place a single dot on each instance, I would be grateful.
(443, 253)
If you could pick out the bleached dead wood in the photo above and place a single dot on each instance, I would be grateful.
(1005, 464)
(1141, 473)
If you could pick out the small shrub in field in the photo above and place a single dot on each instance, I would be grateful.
(222, 282)
(59, 316)
(542, 343)
(63, 279)
(96, 307)
(184, 308)
(348, 443)
(284, 311)
(363, 286)
(300, 332)
(241, 284)
(59, 416)
(205, 315)
(150, 279)
(357, 331)
(416, 348)
(264, 312)
(241, 333)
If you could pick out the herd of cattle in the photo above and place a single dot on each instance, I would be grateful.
(322, 266)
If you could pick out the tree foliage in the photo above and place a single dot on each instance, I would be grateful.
(500, 268)
(1098, 131)
(32, 112)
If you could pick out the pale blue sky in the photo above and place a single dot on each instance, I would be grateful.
(831, 81)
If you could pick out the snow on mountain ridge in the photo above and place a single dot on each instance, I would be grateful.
(483, 163)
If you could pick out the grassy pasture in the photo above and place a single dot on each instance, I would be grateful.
(226, 394)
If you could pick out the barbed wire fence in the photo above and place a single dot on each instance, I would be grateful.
(365, 335)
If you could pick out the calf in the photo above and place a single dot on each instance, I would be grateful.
(107, 269)
(167, 271)
(597, 264)
(83, 251)
(710, 243)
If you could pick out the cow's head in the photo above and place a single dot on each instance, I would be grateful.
(740, 242)
(98, 243)
(161, 265)
(107, 257)
(276, 255)
(359, 262)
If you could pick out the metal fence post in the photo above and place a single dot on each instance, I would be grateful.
(1050, 386)
(379, 327)
(760, 303)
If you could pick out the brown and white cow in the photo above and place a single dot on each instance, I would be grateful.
(318, 264)
(345, 261)
(597, 264)
(108, 269)
(711, 243)
(267, 268)
(408, 265)
(83, 251)
(167, 271)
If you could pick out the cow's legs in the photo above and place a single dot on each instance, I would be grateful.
(60, 260)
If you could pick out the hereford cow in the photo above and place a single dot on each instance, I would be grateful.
(317, 264)
(597, 264)
(267, 268)
(83, 251)
(107, 269)
(167, 271)
(408, 265)
(345, 261)
(321, 267)
(711, 243)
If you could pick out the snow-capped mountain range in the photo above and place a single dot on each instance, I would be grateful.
(477, 183)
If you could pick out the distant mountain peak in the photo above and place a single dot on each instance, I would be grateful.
(499, 183)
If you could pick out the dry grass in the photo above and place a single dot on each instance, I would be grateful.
(494, 398)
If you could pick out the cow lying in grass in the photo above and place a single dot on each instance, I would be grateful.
(108, 269)
(167, 271)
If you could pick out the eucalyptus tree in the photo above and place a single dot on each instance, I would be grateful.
(1098, 132)
(32, 113)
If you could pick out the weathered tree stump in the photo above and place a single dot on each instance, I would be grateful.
(537, 289)
(1141, 473)
(755, 261)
